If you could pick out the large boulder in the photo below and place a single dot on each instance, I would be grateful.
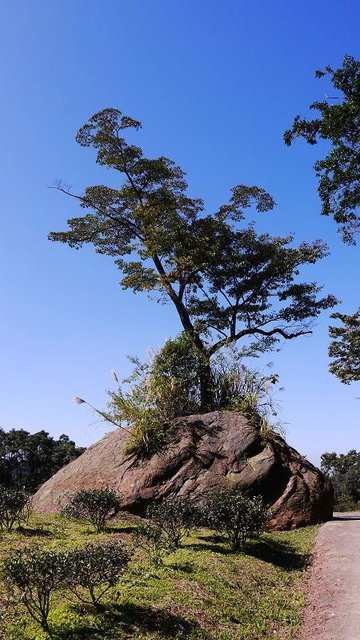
(219, 449)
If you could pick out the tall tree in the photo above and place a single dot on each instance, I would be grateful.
(338, 123)
(344, 349)
(227, 282)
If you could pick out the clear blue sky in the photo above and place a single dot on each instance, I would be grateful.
(215, 85)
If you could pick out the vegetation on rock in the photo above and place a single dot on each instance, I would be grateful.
(168, 386)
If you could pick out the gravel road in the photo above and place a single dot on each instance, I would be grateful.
(332, 611)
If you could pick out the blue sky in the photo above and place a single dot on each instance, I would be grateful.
(215, 85)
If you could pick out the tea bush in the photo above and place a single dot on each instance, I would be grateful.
(13, 507)
(235, 515)
(151, 538)
(35, 575)
(93, 570)
(175, 517)
(96, 506)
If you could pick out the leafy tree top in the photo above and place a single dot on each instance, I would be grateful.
(339, 123)
(344, 349)
(28, 459)
(226, 281)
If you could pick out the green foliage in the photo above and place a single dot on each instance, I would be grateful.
(344, 472)
(227, 282)
(169, 386)
(235, 515)
(175, 517)
(339, 123)
(35, 574)
(175, 375)
(202, 591)
(344, 349)
(165, 387)
(139, 407)
(153, 541)
(94, 505)
(29, 459)
(13, 507)
(90, 572)
(246, 391)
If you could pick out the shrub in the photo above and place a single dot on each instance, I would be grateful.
(94, 570)
(13, 507)
(35, 575)
(94, 505)
(235, 515)
(175, 517)
(151, 538)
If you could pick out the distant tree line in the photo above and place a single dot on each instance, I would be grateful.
(343, 470)
(29, 459)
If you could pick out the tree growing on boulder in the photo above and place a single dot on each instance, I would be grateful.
(227, 282)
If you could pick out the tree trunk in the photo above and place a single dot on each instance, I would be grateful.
(206, 385)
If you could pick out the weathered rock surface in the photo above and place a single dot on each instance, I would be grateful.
(211, 450)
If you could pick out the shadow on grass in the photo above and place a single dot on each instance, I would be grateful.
(278, 553)
(185, 567)
(30, 532)
(126, 620)
(214, 543)
(281, 554)
(125, 529)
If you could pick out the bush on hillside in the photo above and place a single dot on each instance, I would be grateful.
(235, 515)
(151, 538)
(93, 570)
(175, 517)
(35, 575)
(13, 507)
(96, 506)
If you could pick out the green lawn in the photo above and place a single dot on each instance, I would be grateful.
(202, 591)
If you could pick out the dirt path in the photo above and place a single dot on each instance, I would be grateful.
(333, 584)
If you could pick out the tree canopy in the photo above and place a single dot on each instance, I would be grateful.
(28, 459)
(227, 282)
(344, 349)
(344, 472)
(338, 123)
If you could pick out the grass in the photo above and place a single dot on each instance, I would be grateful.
(203, 591)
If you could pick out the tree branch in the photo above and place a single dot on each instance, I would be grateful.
(255, 331)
